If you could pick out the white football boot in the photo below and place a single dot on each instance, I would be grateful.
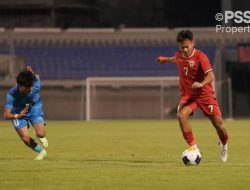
(223, 152)
(41, 155)
(196, 148)
(44, 141)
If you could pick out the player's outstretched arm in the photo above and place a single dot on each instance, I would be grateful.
(162, 59)
(37, 86)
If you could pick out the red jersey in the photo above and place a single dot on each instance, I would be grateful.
(193, 69)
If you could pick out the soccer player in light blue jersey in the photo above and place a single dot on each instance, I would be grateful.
(24, 107)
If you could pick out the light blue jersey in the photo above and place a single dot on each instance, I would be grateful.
(16, 101)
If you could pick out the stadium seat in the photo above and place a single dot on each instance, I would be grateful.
(68, 59)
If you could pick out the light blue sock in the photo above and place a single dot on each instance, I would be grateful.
(38, 148)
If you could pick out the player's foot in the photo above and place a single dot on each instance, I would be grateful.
(223, 152)
(41, 155)
(195, 147)
(44, 141)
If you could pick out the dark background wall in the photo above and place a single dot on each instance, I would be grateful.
(114, 13)
(107, 13)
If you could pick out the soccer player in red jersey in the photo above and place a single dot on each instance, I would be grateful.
(196, 77)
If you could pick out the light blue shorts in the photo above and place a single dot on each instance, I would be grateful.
(20, 123)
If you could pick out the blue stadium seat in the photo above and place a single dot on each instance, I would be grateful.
(80, 59)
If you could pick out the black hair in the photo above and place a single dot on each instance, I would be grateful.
(184, 35)
(26, 78)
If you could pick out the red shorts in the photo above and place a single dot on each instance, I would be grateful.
(208, 105)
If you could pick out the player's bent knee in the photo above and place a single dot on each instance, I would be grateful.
(40, 134)
(40, 130)
(181, 115)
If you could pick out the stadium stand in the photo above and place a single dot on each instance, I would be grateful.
(79, 60)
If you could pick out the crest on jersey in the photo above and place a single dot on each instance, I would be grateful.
(191, 63)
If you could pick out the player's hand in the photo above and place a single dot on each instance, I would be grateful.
(197, 85)
(30, 69)
(23, 112)
(161, 60)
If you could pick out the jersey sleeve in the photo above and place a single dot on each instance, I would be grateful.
(205, 63)
(9, 101)
(36, 86)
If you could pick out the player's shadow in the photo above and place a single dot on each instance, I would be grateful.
(132, 163)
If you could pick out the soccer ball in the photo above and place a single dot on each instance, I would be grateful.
(191, 156)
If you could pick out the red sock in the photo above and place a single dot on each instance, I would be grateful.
(188, 136)
(223, 139)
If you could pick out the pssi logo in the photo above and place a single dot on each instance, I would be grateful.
(236, 16)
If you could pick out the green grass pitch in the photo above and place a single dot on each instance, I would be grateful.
(125, 155)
